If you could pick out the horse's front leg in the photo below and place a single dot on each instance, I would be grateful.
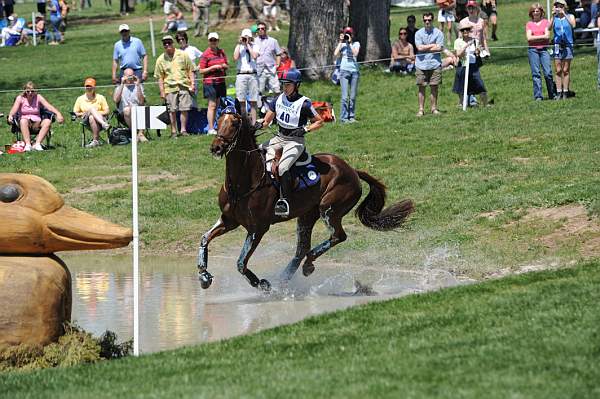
(250, 244)
(222, 226)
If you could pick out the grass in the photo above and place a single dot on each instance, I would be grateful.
(528, 336)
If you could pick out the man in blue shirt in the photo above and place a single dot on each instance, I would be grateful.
(429, 43)
(129, 52)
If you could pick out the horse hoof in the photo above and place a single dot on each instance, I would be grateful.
(205, 279)
(264, 285)
(307, 269)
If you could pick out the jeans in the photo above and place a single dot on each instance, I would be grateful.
(540, 58)
(54, 34)
(348, 102)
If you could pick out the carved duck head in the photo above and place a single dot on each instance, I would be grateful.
(35, 220)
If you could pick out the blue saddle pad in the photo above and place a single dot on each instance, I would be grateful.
(305, 175)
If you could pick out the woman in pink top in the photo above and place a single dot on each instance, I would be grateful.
(538, 38)
(478, 26)
(29, 107)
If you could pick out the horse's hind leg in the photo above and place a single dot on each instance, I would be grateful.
(222, 226)
(252, 241)
(333, 221)
(304, 229)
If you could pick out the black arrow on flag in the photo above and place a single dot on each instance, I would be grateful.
(164, 118)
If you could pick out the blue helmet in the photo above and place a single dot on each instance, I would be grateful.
(291, 75)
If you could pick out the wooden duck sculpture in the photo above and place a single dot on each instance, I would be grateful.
(35, 285)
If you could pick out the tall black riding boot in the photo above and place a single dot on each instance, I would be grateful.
(282, 207)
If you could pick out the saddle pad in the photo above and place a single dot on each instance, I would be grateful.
(303, 176)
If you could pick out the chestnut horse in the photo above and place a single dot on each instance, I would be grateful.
(248, 197)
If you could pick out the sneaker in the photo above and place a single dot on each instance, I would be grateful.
(211, 132)
(173, 135)
(351, 120)
(27, 147)
(420, 113)
(92, 144)
(141, 138)
(105, 125)
(435, 112)
(37, 147)
(185, 134)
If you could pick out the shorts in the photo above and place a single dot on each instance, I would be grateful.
(446, 16)
(270, 11)
(562, 53)
(169, 7)
(86, 122)
(429, 77)
(267, 80)
(246, 87)
(181, 100)
(214, 91)
(488, 11)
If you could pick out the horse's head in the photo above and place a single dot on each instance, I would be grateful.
(228, 131)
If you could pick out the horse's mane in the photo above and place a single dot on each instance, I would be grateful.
(248, 131)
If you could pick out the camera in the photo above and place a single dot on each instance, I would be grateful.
(347, 37)
(244, 40)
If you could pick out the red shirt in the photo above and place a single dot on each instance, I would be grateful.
(284, 66)
(209, 58)
(538, 29)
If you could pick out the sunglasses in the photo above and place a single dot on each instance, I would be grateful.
(167, 44)
(213, 40)
(181, 39)
(89, 87)
(29, 91)
(427, 19)
(402, 34)
(262, 28)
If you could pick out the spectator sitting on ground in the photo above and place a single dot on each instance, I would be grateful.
(14, 28)
(129, 93)
(93, 109)
(174, 21)
(29, 106)
(285, 62)
(403, 54)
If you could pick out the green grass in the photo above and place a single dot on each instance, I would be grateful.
(528, 336)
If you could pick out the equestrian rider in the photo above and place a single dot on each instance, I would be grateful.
(292, 111)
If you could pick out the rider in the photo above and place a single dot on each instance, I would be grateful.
(292, 111)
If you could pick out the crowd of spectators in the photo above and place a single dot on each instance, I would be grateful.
(15, 30)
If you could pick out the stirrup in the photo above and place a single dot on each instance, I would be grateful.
(282, 207)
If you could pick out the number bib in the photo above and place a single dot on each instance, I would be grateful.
(288, 114)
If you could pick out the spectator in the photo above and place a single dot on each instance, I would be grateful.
(246, 82)
(489, 9)
(9, 7)
(296, 116)
(430, 43)
(93, 109)
(41, 7)
(538, 39)
(175, 74)
(467, 50)
(587, 17)
(174, 20)
(270, 13)
(267, 61)
(201, 16)
(403, 54)
(446, 17)
(348, 50)
(478, 26)
(129, 52)
(64, 13)
(411, 30)
(562, 25)
(213, 65)
(29, 106)
(129, 93)
(461, 10)
(191, 51)
(285, 62)
(54, 35)
(13, 30)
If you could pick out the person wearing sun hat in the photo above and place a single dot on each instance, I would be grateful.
(562, 27)
(478, 30)
(93, 109)
(175, 74)
(129, 52)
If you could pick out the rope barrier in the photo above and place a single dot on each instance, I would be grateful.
(319, 67)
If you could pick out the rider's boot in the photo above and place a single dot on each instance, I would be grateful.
(282, 207)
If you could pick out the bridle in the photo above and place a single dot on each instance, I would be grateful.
(231, 142)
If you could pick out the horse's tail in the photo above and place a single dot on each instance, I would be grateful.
(370, 212)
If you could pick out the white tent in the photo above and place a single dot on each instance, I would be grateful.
(412, 3)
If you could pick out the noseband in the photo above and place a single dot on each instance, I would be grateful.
(231, 142)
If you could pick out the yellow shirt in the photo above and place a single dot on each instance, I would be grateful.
(174, 71)
(83, 104)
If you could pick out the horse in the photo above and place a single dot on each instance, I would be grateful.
(247, 198)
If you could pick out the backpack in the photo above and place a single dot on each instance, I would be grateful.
(119, 136)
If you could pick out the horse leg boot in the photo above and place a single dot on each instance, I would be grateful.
(282, 207)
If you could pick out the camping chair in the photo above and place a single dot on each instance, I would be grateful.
(16, 127)
(84, 127)
(117, 119)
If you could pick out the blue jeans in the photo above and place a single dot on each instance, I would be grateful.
(348, 102)
(540, 58)
(54, 34)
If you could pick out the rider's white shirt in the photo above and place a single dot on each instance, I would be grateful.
(288, 114)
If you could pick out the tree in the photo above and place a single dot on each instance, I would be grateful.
(370, 20)
(314, 30)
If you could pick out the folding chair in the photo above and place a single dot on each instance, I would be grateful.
(85, 127)
(15, 127)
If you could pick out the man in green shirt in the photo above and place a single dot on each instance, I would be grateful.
(175, 73)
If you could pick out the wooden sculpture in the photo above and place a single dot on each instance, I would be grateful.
(35, 285)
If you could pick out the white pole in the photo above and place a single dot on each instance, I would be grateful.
(136, 233)
(465, 90)
(549, 13)
(33, 28)
(152, 38)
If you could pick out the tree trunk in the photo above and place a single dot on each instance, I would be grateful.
(370, 20)
(314, 30)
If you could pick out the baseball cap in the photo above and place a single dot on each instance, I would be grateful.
(167, 37)
(213, 35)
(349, 30)
(90, 82)
(563, 2)
(465, 24)
(472, 3)
(246, 33)
(123, 27)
